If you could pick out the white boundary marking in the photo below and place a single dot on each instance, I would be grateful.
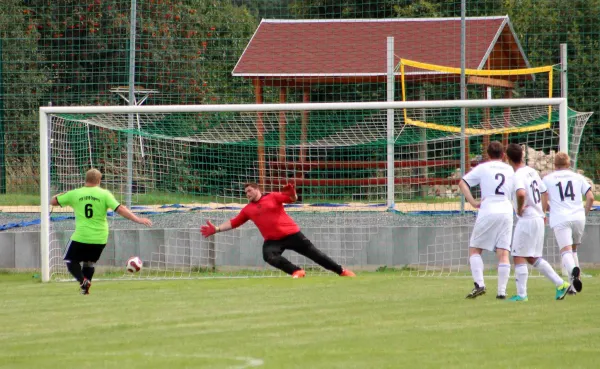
(248, 362)
(245, 362)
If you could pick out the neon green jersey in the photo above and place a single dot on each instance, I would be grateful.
(90, 205)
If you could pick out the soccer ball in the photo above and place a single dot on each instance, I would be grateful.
(134, 264)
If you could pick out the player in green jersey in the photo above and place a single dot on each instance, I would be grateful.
(90, 204)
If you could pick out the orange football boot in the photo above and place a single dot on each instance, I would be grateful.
(347, 273)
(299, 274)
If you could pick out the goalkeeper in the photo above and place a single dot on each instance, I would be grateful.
(278, 229)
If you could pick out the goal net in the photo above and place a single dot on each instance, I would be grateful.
(374, 191)
(447, 252)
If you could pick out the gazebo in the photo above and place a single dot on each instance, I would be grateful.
(302, 53)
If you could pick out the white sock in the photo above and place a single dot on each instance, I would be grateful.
(576, 258)
(547, 271)
(521, 276)
(568, 261)
(503, 275)
(563, 270)
(477, 269)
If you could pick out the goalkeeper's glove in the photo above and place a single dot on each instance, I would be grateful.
(209, 229)
(290, 190)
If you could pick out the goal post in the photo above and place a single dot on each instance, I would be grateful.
(196, 158)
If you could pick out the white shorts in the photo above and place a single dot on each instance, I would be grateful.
(528, 238)
(492, 232)
(569, 233)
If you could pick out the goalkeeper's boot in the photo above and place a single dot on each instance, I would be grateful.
(477, 291)
(347, 273)
(576, 276)
(562, 290)
(299, 274)
(85, 286)
(518, 298)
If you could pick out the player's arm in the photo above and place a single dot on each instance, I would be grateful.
(209, 229)
(126, 213)
(589, 201)
(54, 200)
(112, 203)
(466, 191)
(545, 205)
(289, 190)
(521, 194)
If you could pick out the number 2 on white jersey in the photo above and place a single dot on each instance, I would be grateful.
(502, 179)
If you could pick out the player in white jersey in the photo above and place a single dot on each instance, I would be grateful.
(528, 236)
(493, 227)
(567, 214)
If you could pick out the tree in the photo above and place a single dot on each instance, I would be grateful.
(542, 25)
(181, 47)
(358, 9)
(24, 84)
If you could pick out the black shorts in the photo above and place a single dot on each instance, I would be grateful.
(78, 251)
(296, 242)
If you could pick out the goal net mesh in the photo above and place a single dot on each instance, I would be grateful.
(187, 168)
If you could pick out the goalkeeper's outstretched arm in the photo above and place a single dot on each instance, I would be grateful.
(290, 191)
(209, 229)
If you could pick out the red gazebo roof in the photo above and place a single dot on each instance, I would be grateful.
(319, 50)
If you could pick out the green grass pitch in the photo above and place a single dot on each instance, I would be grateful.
(377, 320)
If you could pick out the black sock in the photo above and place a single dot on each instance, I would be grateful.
(88, 272)
(75, 270)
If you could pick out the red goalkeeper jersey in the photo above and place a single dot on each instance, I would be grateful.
(269, 216)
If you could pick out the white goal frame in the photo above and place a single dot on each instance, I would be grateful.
(44, 112)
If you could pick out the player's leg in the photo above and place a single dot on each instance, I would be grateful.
(72, 260)
(578, 228)
(476, 263)
(535, 232)
(479, 242)
(564, 237)
(88, 269)
(272, 251)
(546, 270)
(520, 250)
(301, 244)
(92, 256)
(502, 233)
(521, 277)
(562, 287)
(503, 271)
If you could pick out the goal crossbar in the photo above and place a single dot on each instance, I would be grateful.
(479, 103)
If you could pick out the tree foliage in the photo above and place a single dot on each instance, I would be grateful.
(24, 82)
(180, 47)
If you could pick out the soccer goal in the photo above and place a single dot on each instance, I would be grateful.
(376, 190)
